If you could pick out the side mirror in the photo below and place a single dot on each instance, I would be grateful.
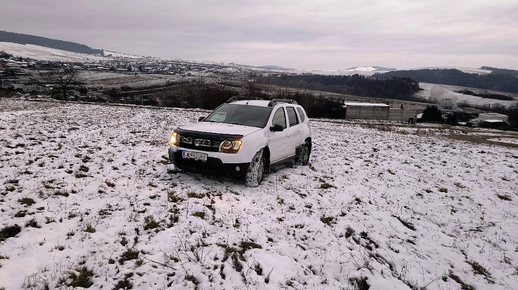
(276, 128)
(201, 119)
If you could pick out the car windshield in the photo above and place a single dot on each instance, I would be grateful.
(246, 115)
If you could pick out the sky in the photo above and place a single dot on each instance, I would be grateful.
(318, 34)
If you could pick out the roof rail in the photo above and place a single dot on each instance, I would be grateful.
(239, 98)
(276, 101)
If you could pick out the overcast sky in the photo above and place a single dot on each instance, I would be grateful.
(318, 34)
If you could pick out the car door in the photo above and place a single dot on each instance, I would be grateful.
(279, 142)
(294, 130)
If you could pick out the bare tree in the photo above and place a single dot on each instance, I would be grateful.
(64, 79)
(251, 85)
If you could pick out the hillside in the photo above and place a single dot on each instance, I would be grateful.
(47, 42)
(37, 52)
(397, 208)
(493, 81)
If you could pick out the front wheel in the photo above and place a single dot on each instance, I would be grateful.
(303, 154)
(254, 174)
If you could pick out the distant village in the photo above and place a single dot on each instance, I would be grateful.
(25, 75)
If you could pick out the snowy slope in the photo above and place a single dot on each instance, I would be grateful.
(44, 53)
(361, 70)
(446, 94)
(121, 55)
(401, 207)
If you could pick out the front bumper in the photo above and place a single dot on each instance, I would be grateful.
(213, 164)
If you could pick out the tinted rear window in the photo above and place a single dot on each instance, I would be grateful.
(292, 116)
(302, 115)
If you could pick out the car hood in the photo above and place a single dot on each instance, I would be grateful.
(220, 128)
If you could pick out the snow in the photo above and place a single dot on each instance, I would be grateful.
(365, 104)
(121, 55)
(399, 206)
(505, 140)
(46, 54)
(446, 94)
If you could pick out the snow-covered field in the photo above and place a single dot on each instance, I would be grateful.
(97, 205)
(446, 94)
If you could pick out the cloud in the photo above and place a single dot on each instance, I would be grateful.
(329, 34)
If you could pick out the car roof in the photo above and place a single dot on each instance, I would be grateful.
(260, 103)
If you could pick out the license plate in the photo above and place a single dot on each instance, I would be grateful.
(194, 155)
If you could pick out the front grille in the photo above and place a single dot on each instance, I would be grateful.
(202, 144)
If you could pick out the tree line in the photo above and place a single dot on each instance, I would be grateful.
(401, 88)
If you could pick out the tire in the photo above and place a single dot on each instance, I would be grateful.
(255, 173)
(304, 154)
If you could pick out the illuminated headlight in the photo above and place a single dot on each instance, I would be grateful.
(174, 140)
(230, 146)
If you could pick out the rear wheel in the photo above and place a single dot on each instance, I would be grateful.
(254, 174)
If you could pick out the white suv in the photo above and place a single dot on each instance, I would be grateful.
(244, 138)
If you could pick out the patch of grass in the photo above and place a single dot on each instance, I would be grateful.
(192, 279)
(83, 168)
(327, 220)
(81, 277)
(407, 224)
(125, 284)
(130, 254)
(150, 223)
(10, 188)
(33, 223)
(61, 193)
(359, 283)
(480, 270)
(9, 232)
(457, 279)
(172, 197)
(27, 201)
(200, 214)
(444, 190)
(349, 232)
(20, 213)
(193, 194)
(90, 229)
(80, 175)
(258, 269)
(109, 183)
(151, 184)
(504, 197)
(245, 246)
(326, 185)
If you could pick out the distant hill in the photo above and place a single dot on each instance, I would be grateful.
(275, 67)
(501, 70)
(455, 77)
(371, 68)
(47, 42)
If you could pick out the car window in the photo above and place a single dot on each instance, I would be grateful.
(279, 118)
(292, 116)
(245, 115)
(301, 114)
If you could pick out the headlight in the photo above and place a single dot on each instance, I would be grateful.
(175, 139)
(230, 146)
